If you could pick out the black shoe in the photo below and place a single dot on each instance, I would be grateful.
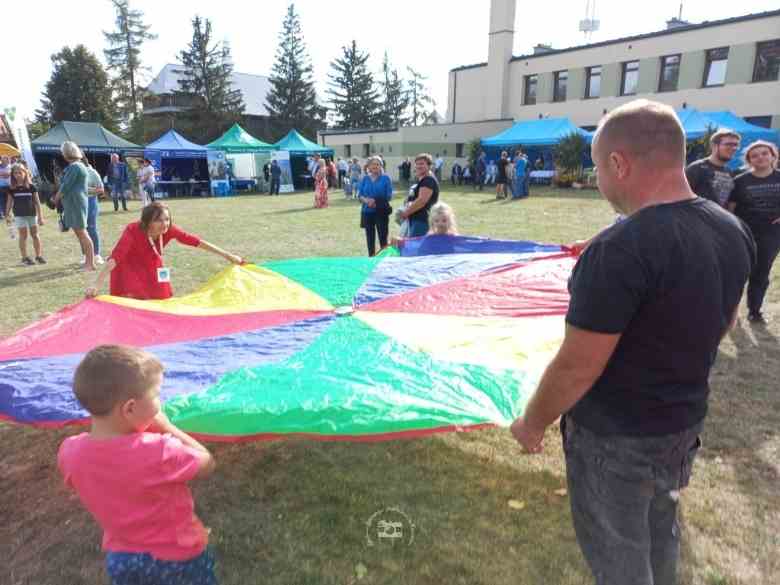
(40, 260)
(28, 261)
(757, 317)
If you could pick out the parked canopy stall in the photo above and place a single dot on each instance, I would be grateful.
(181, 166)
(300, 149)
(245, 155)
(537, 138)
(96, 143)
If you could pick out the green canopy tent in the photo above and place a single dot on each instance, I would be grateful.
(95, 142)
(246, 156)
(300, 148)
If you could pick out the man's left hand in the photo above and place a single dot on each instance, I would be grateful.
(529, 438)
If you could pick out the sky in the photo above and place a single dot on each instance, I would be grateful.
(432, 36)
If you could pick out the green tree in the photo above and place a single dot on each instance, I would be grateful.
(77, 90)
(292, 101)
(207, 74)
(421, 104)
(354, 98)
(123, 57)
(395, 98)
(569, 158)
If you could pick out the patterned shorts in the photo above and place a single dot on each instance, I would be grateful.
(144, 569)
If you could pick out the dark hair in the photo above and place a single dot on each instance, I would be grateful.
(112, 374)
(153, 212)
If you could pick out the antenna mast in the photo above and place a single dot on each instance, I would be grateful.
(590, 24)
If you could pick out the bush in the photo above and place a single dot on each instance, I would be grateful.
(569, 156)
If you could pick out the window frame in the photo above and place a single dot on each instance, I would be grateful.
(347, 151)
(623, 70)
(459, 148)
(755, 62)
(556, 78)
(526, 85)
(366, 149)
(588, 77)
(661, 73)
(708, 66)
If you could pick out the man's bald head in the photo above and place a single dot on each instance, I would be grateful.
(645, 131)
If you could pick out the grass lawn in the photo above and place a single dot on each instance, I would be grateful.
(296, 512)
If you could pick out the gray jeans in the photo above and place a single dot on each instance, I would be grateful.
(624, 493)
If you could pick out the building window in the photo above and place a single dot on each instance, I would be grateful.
(670, 73)
(630, 78)
(767, 66)
(348, 150)
(459, 150)
(559, 85)
(715, 63)
(593, 82)
(389, 149)
(366, 150)
(763, 121)
(529, 98)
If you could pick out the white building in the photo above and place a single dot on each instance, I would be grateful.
(730, 64)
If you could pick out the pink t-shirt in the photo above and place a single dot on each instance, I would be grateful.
(136, 488)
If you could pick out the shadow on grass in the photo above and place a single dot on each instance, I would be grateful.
(34, 274)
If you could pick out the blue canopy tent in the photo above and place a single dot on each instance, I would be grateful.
(537, 138)
(181, 165)
(696, 124)
(300, 148)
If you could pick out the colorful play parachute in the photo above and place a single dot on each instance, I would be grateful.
(452, 333)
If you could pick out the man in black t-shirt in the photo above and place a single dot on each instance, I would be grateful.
(709, 177)
(651, 298)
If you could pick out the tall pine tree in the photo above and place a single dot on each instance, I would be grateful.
(292, 101)
(207, 70)
(77, 90)
(395, 98)
(421, 104)
(354, 99)
(123, 57)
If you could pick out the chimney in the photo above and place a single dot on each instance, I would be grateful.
(501, 39)
(676, 23)
(541, 49)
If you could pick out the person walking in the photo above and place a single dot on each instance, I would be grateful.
(146, 182)
(480, 171)
(502, 175)
(118, 182)
(73, 195)
(651, 298)
(276, 177)
(342, 167)
(709, 177)
(94, 190)
(756, 201)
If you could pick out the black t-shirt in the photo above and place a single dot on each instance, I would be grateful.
(710, 181)
(502, 163)
(433, 185)
(668, 278)
(24, 203)
(757, 199)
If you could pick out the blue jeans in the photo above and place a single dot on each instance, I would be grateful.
(118, 192)
(624, 492)
(417, 228)
(144, 569)
(93, 210)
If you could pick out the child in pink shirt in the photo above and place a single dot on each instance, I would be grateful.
(131, 472)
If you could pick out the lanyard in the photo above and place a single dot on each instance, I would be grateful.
(154, 249)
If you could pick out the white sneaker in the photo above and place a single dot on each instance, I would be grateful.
(83, 260)
(99, 259)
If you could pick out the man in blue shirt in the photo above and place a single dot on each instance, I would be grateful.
(276, 175)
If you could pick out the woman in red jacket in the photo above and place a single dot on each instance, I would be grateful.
(137, 266)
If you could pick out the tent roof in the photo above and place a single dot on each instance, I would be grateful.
(544, 132)
(297, 144)
(749, 132)
(8, 150)
(239, 140)
(90, 136)
(172, 140)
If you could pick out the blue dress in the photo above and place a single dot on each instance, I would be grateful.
(73, 186)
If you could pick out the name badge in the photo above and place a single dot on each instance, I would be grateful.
(163, 274)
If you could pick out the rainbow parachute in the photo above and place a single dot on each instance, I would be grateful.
(453, 333)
